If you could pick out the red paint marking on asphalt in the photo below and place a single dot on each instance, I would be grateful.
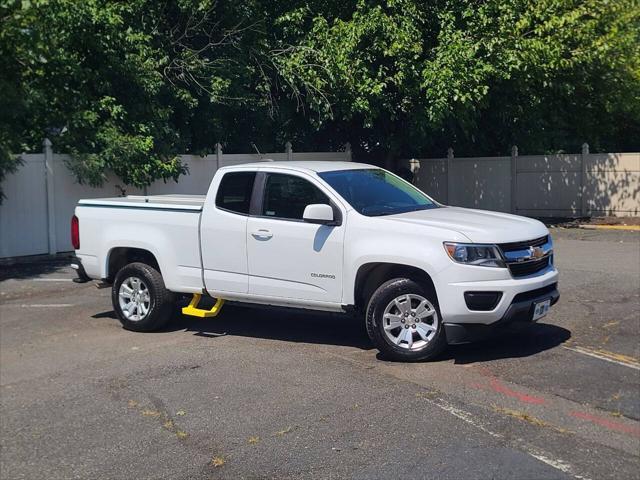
(497, 386)
(606, 423)
(482, 370)
(523, 397)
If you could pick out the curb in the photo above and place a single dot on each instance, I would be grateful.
(628, 228)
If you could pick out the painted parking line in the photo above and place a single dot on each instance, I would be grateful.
(617, 358)
(50, 279)
(47, 305)
(544, 457)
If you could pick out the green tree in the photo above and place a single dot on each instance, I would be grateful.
(126, 86)
(415, 77)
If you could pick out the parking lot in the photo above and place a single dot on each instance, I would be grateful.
(269, 393)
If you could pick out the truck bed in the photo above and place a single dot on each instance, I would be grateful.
(154, 202)
(164, 225)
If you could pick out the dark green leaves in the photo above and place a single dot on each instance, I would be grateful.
(126, 86)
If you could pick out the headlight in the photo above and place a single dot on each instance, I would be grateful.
(472, 254)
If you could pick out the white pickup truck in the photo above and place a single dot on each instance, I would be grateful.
(333, 236)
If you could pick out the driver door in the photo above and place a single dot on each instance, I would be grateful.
(288, 257)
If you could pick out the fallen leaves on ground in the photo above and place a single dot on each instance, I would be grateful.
(284, 432)
(150, 413)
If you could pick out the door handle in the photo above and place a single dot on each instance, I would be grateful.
(262, 234)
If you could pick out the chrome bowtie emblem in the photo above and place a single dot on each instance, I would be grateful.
(536, 252)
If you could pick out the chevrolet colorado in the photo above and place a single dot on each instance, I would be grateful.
(334, 236)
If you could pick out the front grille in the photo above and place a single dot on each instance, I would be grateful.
(528, 267)
(508, 247)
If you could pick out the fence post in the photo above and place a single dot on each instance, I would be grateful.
(218, 155)
(51, 199)
(288, 150)
(583, 179)
(449, 176)
(514, 178)
(347, 151)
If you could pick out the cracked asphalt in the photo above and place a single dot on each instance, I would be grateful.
(272, 393)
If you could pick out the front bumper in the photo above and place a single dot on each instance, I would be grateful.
(451, 291)
(518, 312)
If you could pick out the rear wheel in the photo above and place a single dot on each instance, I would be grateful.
(140, 299)
(403, 321)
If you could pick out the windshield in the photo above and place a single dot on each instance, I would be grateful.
(375, 192)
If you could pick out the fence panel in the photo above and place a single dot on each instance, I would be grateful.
(613, 183)
(431, 177)
(483, 182)
(195, 182)
(563, 185)
(549, 185)
(322, 156)
(23, 214)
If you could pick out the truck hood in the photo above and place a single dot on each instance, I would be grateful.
(479, 226)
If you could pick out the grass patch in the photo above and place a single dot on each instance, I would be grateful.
(525, 417)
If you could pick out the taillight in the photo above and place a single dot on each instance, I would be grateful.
(75, 233)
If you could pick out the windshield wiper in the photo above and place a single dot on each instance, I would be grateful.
(398, 210)
(386, 210)
(422, 207)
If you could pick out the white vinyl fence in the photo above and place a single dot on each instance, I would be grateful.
(42, 194)
(563, 185)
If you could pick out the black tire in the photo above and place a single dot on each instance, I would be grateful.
(161, 301)
(379, 301)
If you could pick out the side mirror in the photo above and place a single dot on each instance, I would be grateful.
(318, 213)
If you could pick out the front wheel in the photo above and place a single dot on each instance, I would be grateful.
(403, 321)
(140, 299)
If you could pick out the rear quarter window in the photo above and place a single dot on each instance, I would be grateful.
(234, 192)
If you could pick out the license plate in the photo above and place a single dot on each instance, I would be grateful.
(540, 309)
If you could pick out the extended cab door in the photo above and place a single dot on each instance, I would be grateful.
(223, 232)
(289, 257)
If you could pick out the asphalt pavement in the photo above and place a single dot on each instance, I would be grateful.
(273, 393)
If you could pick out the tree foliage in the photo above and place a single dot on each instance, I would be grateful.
(125, 86)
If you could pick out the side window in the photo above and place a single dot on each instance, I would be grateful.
(234, 192)
(286, 196)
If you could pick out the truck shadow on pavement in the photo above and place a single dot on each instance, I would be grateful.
(518, 343)
(286, 325)
(289, 325)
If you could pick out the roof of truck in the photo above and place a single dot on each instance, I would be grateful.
(308, 165)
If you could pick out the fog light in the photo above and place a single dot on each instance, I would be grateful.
(482, 301)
